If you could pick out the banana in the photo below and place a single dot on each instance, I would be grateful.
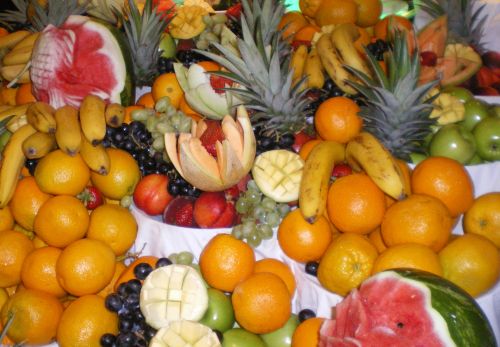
(18, 56)
(365, 153)
(114, 115)
(92, 118)
(68, 131)
(41, 116)
(38, 145)
(313, 69)
(16, 122)
(96, 157)
(316, 178)
(343, 37)
(333, 65)
(13, 72)
(12, 163)
(28, 41)
(14, 111)
(12, 39)
(185, 333)
(297, 62)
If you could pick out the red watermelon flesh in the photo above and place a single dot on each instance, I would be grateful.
(386, 311)
(80, 57)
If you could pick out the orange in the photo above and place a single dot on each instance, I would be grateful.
(14, 248)
(84, 321)
(3, 32)
(146, 100)
(226, 261)
(128, 112)
(61, 220)
(167, 85)
(301, 240)
(3, 298)
(445, 179)
(337, 119)
(188, 111)
(110, 288)
(483, 217)
(393, 22)
(114, 225)
(408, 255)
(336, 12)
(39, 271)
(26, 202)
(376, 238)
(262, 303)
(363, 40)
(209, 65)
(307, 333)
(406, 172)
(36, 316)
(122, 177)
(369, 12)
(347, 262)
(419, 219)
(6, 219)
(306, 33)
(8, 95)
(85, 267)
(6, 341)
(290, 23)
(60, 173)
(278, 268)
(128, 273)
(355, 204)
(24, 94)
(309, 7)
(38, 242)
(472, 262)
(307, 148)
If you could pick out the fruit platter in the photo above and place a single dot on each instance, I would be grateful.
(241, 174)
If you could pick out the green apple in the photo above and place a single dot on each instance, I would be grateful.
(487, 135)
(453, 141)
(220, 314)
(241, 338)
(167, 46)
(417, 157)
(475, 111)
(283, 336)
(495, 110)
(462, 94)
(476, 160)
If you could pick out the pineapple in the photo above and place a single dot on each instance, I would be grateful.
(397, 110)
(15, 19)
(144, 34)
(262, 73)
(43, 13)
(465, 19)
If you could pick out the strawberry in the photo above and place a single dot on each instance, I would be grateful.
(428, 58)
(211, 135)
(296, 43)
(232, 193)
(300, 138)
(218, 83)
(180, 212)
(184, 216)
(91, 198)
(234, 11)
(341, 170)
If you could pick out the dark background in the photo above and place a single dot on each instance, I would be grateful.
(6, 5)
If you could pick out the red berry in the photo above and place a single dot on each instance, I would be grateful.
(341, 170)
(428, 58)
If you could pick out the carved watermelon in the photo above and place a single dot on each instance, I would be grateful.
(407, 308)
(81, 57)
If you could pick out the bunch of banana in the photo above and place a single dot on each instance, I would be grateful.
(38, 145)
(336, 50)
(15, 63)
(17, 116)
(93, 119)
(41, 117)
(306, 64)
(68, 131)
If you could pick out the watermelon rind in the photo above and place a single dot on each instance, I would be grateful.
(465, 322)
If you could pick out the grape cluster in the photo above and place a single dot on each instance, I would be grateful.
(188, 57)
(30, 164)
(378, 48)
(183, 258)
(267, 142)
(259, 215)
(179, 186)
(213, 29)
(133, 329)
(166, 65)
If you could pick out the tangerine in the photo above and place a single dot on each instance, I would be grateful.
(24, 94)
(14, 248)
(128, 112)
(445, 179)
(369, 12)
(307, 148)
(146, 100)
(261, 295)
(483, 217)
(6, 219)
(376, 238)
(306, 33)
(307, 333)
(167, 85)
(110, 288)
(188, 111)
(291, 23)
(278, 268)
(309, 7)
(128, 273)
(209, 65)
(301, 240)
(391, 23)
(336, 12)
(337, 119)
(226, 261)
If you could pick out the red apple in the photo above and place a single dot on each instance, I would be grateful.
(212, 210)
(151, 194)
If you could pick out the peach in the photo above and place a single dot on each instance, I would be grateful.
(212, 210)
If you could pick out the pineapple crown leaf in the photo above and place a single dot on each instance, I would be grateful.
(15, 16)
(56, 14)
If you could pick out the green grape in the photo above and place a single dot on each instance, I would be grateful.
(158, 144)
(219, 18)
(237, 231)
(185, 127)
(163, 127)
(185, 258)
(151, 123)
(273, 219)
(254, 240)
(208, 20)
(242, 206)
(126, 201)
(142, 115)
(175, 120)
(211, 37)
(170, 111)
(162, 104)
(251, 185)
(253, 196)
(202, 44)
(268, 203)
(259, 213)
(283, 209)
(265, 231)
(248, 227)
(173, 258)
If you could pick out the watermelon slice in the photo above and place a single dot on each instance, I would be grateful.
(81, 57)
(407, 308)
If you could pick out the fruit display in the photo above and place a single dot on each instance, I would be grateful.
(176, 175)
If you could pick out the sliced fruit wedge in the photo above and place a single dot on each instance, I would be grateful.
(171, 293)
(185, 333)
(188, 22)
(278, 174)
(447, 109)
